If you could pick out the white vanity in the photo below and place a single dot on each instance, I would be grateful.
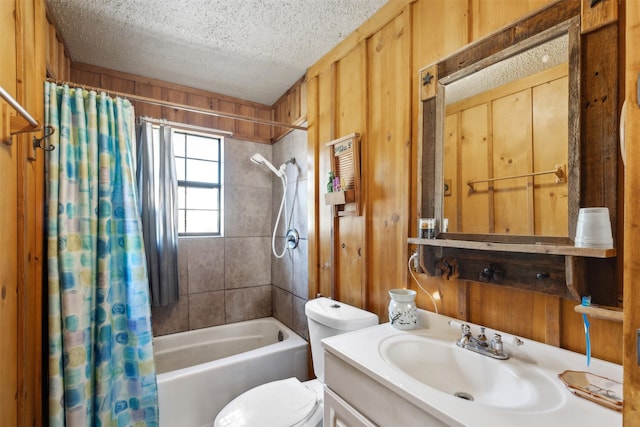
(381, 376)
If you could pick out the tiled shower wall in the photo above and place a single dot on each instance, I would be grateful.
(229, 279)
(290, 274)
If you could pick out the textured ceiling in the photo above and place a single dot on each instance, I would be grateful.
(249, 49)
(527, 63)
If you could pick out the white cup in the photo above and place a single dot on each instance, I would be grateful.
(593, 229)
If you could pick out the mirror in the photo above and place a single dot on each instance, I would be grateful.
(505, 145)
(505, 136)
(555, 125)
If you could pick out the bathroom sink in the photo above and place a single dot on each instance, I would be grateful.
(396, 377)
(441, 365)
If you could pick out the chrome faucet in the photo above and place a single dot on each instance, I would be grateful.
(493, 349)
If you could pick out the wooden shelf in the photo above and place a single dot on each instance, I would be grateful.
(545, 264)
(614, 314)
(533, 248)
(340, 197)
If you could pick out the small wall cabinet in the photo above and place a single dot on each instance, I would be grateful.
(345, 164)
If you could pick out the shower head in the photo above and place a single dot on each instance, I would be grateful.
(259, 159)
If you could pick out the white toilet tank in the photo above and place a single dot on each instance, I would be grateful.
(329, 317)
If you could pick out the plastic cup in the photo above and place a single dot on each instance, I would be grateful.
(593, 229)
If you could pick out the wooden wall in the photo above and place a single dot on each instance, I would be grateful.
(58, 61)
(151, 88)
(288, 109)
(369, 84)
(22, 71)
(631, 218)
(291, 108)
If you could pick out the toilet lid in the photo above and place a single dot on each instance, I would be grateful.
(275, 404)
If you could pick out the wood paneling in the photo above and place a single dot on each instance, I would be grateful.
(202, 101)
(632, 218)
(30, 214)
(143, 89)
(351, 108)
(430, 43)
(512, 154)
(169, 113)
(598, 152)
(474, 155)
(313, 189)
(550, 118)
(52, 51)
(116, 81)
(58, 64)
(388, 147)
(428, 47)
(23, 30)
(8, 233)
(288, 109)
(387, 13)
(503, 308)
(489, 16)
(291, 107)
(325, 133)
(8, 285)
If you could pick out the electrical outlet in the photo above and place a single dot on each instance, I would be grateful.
(416, 261)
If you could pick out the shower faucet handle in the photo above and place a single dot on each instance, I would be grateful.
(292, 238)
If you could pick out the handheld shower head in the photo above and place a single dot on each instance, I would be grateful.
(259, 159)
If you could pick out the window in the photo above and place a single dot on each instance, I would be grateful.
(198, 169)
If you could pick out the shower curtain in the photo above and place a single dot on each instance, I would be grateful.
(158, 189)
(101, 366)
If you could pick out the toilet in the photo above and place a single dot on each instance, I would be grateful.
(290, 402)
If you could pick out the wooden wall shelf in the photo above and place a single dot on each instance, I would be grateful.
(530, 248)
(345, 164)
(340, 197)
(549, 268)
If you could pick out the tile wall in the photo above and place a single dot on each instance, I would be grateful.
(233, 278)
(290, 274)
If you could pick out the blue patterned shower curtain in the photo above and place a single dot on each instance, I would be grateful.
(101, 366)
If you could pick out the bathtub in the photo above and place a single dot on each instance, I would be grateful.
(200, 371)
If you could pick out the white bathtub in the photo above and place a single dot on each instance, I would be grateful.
(200, 371)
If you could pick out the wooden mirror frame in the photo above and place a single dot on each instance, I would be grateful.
(593, 140)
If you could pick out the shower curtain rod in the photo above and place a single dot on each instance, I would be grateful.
(177, 125)
(191, 109)
(19, 108)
